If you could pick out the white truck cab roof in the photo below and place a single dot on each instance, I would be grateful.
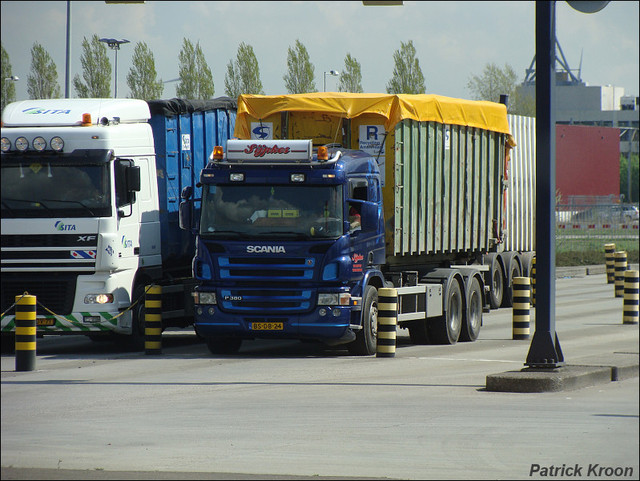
(67, 112)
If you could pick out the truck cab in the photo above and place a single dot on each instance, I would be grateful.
(74, 190)
(289, 245)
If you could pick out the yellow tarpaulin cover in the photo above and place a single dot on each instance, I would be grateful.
(422, 107)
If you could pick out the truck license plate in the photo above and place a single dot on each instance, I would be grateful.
(45, 321)
(267, 326)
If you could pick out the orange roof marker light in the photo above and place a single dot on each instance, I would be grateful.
(86, 120)
(218, 153)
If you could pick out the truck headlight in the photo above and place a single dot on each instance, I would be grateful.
(6, 144)
(205, 297)
(335, 299)
(98, 298)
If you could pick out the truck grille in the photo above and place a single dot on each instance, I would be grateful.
(45, 252)
(266, 301)
(55, 291)
(266, 268)
(261, 271)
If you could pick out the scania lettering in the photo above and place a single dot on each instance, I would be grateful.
(262, 249)
(90, 194)
(404, 191)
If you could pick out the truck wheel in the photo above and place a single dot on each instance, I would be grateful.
(366, 338)
(497, 284)
(223, 345)
(473, 316)
(514, 271)
(446, 328)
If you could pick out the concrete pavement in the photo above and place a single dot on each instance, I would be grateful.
(583, 372)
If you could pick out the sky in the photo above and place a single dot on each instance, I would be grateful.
(454, 40)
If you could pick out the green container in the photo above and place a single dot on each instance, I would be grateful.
(447, 191)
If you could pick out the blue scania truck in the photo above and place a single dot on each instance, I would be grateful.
(325, 198)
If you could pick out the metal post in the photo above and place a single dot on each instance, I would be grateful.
(620, 266)
(25, 333)
(153, 320)
(387, 322)
(521, 317)
(67, 77)
(609, 259)
(630, 303)
(630, 134)
(533, 281)
(115, 86)
(545, 348)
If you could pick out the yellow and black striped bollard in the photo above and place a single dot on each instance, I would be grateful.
(630, 303)
(153, 320)
(533, 281)
(25, 333)
(609, 258)
(620, 267)
(521, 308)
(387, 321)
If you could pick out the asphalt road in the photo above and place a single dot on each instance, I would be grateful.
(290, 410)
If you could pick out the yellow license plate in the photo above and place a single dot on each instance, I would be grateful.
(267, 326)
(44, 321)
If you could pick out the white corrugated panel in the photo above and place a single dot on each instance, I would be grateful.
(521, 191)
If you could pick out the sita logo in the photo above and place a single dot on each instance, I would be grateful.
(39, 110)
(62, 226)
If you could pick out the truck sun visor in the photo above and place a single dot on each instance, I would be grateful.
(264, 151)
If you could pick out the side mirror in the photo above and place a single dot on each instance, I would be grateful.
(186, 193)
(184, 214)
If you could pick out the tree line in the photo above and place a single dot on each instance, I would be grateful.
(242, 75)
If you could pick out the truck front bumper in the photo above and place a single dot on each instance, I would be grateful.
(324, 323)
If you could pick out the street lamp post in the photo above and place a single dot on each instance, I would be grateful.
(115, 45)
(335, 73)
(67, 62)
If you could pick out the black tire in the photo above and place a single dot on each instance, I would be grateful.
(446, 329)
(366, 338)
(223, 345)
(514, 271)
(496, 292)
(473, 315)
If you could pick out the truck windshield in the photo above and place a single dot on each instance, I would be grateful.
(48, 189)
(266, 211)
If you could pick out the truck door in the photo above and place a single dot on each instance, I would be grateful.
(364, 213)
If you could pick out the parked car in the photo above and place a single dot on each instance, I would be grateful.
(610, 213)
(629, 213)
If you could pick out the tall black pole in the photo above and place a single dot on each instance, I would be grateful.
(115, 80)
(545, 348)
(67, 77)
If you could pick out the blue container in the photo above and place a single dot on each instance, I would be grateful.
(185, 132)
